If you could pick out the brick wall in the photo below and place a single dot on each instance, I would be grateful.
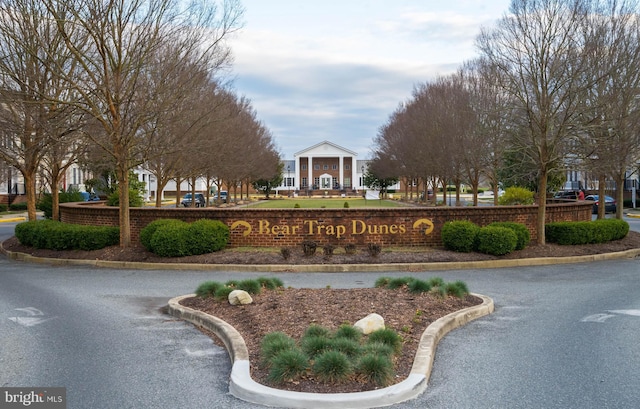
(404, 226)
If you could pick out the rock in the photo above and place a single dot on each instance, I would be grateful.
(370, 323)
(239, 297)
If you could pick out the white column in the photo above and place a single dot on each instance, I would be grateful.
(354, 173)
(310, 172)
(296, 174)
(341, 170)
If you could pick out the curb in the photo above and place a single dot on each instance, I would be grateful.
(634, 215)
(325, 268)
(12, 219)
(242, 386)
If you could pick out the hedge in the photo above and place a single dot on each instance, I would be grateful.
(597, 231)
(175, 238)
(55, 235)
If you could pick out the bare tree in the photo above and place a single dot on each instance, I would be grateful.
(539, 51)
(29, 47)
(113, 44)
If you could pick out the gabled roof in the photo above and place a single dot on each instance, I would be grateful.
(324, 148)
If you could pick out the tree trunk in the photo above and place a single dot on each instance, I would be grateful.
(30, 189)
(619, 194)
(542, 207)
(123, 186)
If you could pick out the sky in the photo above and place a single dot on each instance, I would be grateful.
(332, 70)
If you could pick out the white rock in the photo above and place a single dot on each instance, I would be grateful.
(239, 297)
(370, 323)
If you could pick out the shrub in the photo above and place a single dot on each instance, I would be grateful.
(521, 231)
(208, 289)
(328, 249)
(270, 283)
(147, 232)
(289, 364)
(459, 235)
(419, 286)
(349, 347)
(171, 240)
(382, 282)
(46, 201)
(350, 248)
(346, 205)
(3, 208)
(374, 249)
(436, 282)
(597, 231)
(396, 283)
(332, 366)
(296, 206)
(316, 331)
(376, 368)
(315, 345)
(377, 348)
(18, 207)
(456, 289)
(207, 236)
(388, 337)
(349, 332)
(54, 235)
(250, 286)
(496, 240)
(285, 252)
(309, 248)
(222, 294)
(274, 343)
(516, 196)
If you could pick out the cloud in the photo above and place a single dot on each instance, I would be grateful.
(336, 71)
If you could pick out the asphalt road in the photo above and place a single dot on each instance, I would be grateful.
(561, 337)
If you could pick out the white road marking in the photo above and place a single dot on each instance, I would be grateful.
(597, 318)
(635, 313)
(35, 317)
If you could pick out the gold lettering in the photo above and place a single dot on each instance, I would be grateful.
(340, 231)
(263, 227)
(403, 229)
(358, 226)
(310, 224)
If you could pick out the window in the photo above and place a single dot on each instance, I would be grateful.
(334, 167)
(316, 183)
(347, 183)
(303, 167)
(325, 167)
(347, 167)
(336, 185)
(304, 182)
(316, 167)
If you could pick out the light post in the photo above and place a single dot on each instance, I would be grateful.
(289, 179)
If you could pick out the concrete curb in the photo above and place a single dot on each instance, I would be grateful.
(12, 219)
(634, 215)
(325, 268)
(243, 387)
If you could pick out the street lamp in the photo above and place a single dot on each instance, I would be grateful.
(362, 184)
(289, 179)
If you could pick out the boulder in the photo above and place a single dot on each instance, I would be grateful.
(370, 323)
(239, 297)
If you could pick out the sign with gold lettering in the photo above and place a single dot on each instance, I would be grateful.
(313, 227)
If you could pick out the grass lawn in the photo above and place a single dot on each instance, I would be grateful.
(337, 203)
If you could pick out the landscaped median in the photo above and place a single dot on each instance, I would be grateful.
(244, 387)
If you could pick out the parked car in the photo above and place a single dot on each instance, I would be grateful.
(566, 195)
(224, 195)
(200, 201)
(609, 203)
